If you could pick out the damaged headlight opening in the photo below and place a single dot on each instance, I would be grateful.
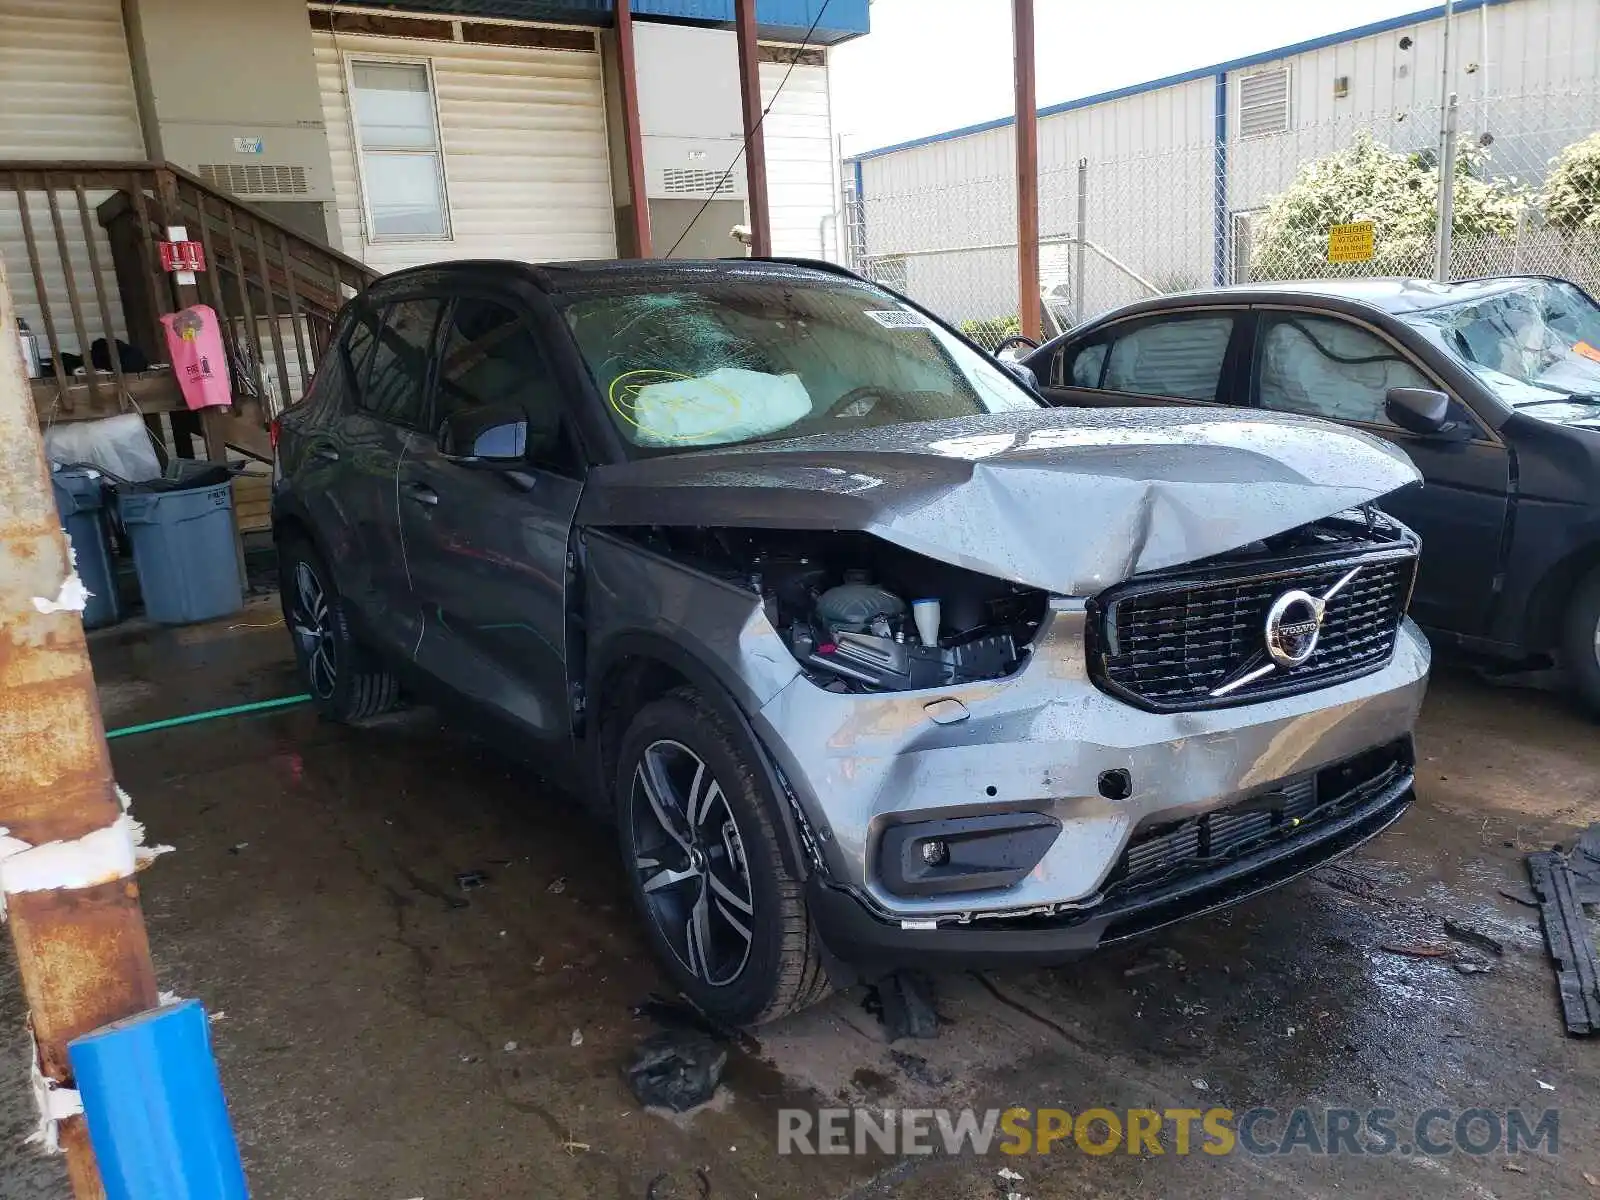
(862, 615)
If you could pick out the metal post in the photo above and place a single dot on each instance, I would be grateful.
(633, 142)
(1081, 246)
(1027, 170)
(1447, 191)
(1447, 155)
(755, 140)
(73, 909)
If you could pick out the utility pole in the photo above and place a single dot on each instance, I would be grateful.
(67, 854)
(1027, 170)
(633, 142)
(755, 152)
(1447, 155)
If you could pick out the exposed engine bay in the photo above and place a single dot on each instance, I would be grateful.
(862, 615)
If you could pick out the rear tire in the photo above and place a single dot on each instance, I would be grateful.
(338, 672)
(725, 917)
(1580, 643)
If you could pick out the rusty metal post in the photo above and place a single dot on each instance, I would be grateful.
(1027, 170)
(81, 946)
(632, 139)
(755, 154)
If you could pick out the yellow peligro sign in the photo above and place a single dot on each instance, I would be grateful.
(1350, 243)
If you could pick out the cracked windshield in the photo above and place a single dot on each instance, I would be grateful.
(1536, 343)
(738, 359)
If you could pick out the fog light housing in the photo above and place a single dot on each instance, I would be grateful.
(963, 854)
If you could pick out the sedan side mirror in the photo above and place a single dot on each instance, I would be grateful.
(490, 438)
(1417, 410)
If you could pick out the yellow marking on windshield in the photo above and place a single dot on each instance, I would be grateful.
(624, 392)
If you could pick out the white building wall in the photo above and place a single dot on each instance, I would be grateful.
(66, 93)
(524, 137)
(802, 187)
(1525, 71)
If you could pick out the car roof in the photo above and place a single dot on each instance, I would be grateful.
(1391, 294)
(579, 276)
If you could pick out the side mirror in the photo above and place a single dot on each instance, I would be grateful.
(1417, 410)
(490, 438)
(1022, 372)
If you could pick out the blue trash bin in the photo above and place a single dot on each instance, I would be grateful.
(183, 549)
(81, 502)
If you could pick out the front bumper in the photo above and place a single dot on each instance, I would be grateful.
(1039, 743)
(855, 935)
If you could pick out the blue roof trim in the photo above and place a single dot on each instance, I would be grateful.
(1155, 85)
(787, 19)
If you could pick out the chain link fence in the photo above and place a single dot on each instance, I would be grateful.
(1173, 218)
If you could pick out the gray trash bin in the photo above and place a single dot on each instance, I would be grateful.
(81, 501)
(183, 549)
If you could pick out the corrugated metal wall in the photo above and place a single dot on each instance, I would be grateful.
(802, 189)
(524, 136)
(66, 93)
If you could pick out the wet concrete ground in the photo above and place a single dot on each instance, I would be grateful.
(385, 1035)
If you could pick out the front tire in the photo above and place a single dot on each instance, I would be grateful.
(1581, 641)
(725, 917)
(335, 669)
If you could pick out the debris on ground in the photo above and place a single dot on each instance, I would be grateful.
(1463, 932)
(511, 1047)
(557, 886)
(1473, 966)
(670, 1187)
(1200, 1085)
(1543, 1086)
(469, 881)
(676, 1069)
(905, 1006)
(1564, 883)
(1416, 950)
(1516, 1168)
(577, 1037)
(1521, 895)
(1009, 1175)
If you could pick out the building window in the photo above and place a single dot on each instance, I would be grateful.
(397, 143)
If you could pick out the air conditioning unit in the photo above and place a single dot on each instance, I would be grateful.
(690, 118)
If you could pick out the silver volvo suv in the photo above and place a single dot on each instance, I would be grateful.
(872, 658)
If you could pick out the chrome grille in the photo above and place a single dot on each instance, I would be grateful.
(1168, 645)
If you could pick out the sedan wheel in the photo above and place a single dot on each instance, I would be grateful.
(691, 863)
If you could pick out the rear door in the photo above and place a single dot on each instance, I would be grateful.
(1329, 365)
(488, 547)
(1180, 357)
(349, 459)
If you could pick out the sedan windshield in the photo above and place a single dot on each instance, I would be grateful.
(725, 357)
(1531, 344)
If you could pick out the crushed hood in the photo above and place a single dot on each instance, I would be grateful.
(1069, 500)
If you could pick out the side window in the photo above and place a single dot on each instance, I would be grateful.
(492, 357)
(1325, 367)
(394, 385)
(360, 336)
(1082, 367)
(1180, 357)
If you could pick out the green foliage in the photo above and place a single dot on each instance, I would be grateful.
(1367, 181)
(991, 331)
(1571, 195)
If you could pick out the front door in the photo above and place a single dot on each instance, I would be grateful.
(488, 548)
(1329, 366)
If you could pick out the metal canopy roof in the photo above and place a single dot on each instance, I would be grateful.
(784, 20)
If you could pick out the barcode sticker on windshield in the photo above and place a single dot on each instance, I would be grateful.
(898, 318)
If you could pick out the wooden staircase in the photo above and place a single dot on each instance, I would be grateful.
(275, 291)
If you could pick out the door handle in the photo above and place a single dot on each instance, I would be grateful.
(324, 452)
(421, 493)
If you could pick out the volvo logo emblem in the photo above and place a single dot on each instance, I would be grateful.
(1293, 626)
(1294, 622)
